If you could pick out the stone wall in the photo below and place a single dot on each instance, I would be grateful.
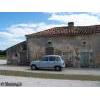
(96, 46)
(70, 46)
(17, 55)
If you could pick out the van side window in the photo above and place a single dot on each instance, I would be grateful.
(52, 58)
(44, 59)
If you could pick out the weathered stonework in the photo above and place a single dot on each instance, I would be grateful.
(17, 55)
(70, 47)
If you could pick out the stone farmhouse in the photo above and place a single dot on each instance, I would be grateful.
(79, 46)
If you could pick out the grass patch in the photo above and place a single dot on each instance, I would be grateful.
(2, 54)
(2, 57)
(49, 76)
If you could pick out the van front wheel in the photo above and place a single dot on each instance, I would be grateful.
(58, 68)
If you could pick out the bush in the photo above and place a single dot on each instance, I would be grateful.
(2, 54)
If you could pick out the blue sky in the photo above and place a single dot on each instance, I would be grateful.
(10, 18)
(15, 25)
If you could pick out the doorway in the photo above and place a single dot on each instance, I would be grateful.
(84, 59)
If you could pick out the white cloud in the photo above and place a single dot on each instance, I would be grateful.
(16, 33)
(78, 19)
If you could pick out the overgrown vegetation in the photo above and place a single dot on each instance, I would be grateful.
(2, 54)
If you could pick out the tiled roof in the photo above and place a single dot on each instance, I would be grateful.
(68, 31)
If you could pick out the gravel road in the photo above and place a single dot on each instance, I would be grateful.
(37, 82)
(76, 71)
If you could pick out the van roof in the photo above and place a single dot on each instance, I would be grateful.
(51, 56)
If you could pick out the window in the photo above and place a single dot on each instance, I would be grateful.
(52, 58)
(84, 43)
(57, 59)
(49, 42)
(44, 59)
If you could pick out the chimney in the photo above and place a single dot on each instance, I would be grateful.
(70, 24)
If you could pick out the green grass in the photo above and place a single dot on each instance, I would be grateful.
(2, 56)
(49, 76)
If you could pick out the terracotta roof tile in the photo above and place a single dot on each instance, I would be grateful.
(68, 31)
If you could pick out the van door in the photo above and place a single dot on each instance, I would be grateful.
(44, 62)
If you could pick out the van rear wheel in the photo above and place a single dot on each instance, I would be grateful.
(58, 68)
